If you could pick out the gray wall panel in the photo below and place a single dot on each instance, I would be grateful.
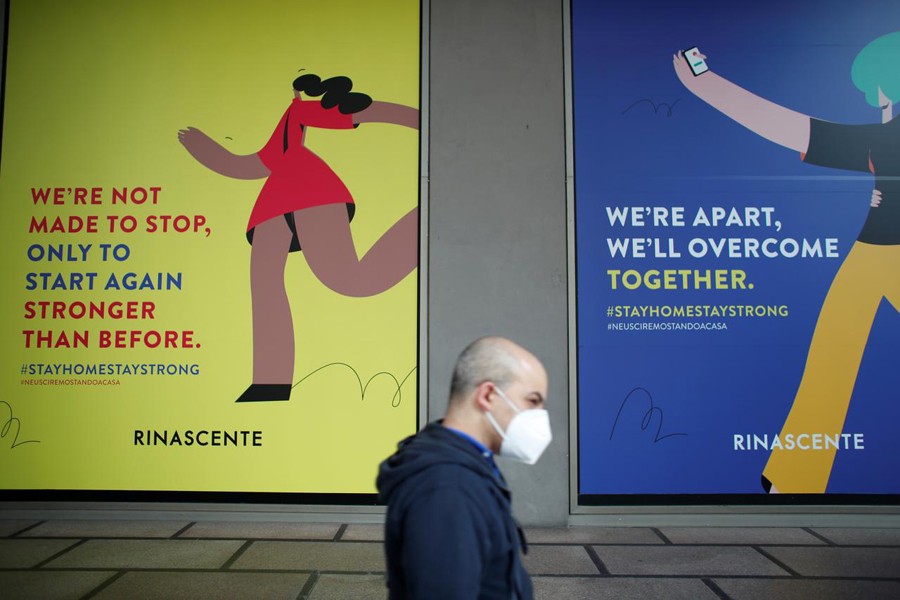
(497, 206)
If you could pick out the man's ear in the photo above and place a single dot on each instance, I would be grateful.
(484, 396)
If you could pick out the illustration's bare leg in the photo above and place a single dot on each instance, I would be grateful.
(327, 243)
(273, 329)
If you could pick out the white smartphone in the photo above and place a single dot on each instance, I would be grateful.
(697, 64)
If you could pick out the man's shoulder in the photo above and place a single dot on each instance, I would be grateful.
(448, 481)
(449, 473)
(434, 459)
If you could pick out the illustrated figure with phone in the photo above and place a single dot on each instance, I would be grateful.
(304, 202)
(870, 271)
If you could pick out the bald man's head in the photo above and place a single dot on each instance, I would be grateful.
(494, 359)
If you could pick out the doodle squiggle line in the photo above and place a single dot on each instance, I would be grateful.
(656, 107)
(10, 421)
(395, 399)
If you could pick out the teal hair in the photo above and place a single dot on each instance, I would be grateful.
(878, 65)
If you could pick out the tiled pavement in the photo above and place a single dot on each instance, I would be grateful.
(166, 559)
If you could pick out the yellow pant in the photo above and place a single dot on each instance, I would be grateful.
(869, 273)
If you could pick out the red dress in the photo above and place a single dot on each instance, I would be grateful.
(299, 178)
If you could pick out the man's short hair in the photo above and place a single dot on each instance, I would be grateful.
(486, 359)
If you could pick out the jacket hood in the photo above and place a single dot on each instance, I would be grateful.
(433, 445)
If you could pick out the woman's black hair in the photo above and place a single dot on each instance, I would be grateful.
(335, 91)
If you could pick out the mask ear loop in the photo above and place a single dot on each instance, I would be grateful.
(491, 418)
(496, 425)
(508, 401)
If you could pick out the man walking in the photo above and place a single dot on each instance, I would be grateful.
(449, 531)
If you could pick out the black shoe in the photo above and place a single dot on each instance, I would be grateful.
(266, 392)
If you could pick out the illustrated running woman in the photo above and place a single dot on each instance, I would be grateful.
(870, 271)
(303, 202)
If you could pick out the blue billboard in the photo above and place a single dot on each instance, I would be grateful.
(737, 213)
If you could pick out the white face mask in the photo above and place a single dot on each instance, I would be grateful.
(527, 435)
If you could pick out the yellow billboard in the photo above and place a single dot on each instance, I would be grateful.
(212, 234)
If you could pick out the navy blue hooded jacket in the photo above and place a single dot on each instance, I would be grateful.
(450, 533)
